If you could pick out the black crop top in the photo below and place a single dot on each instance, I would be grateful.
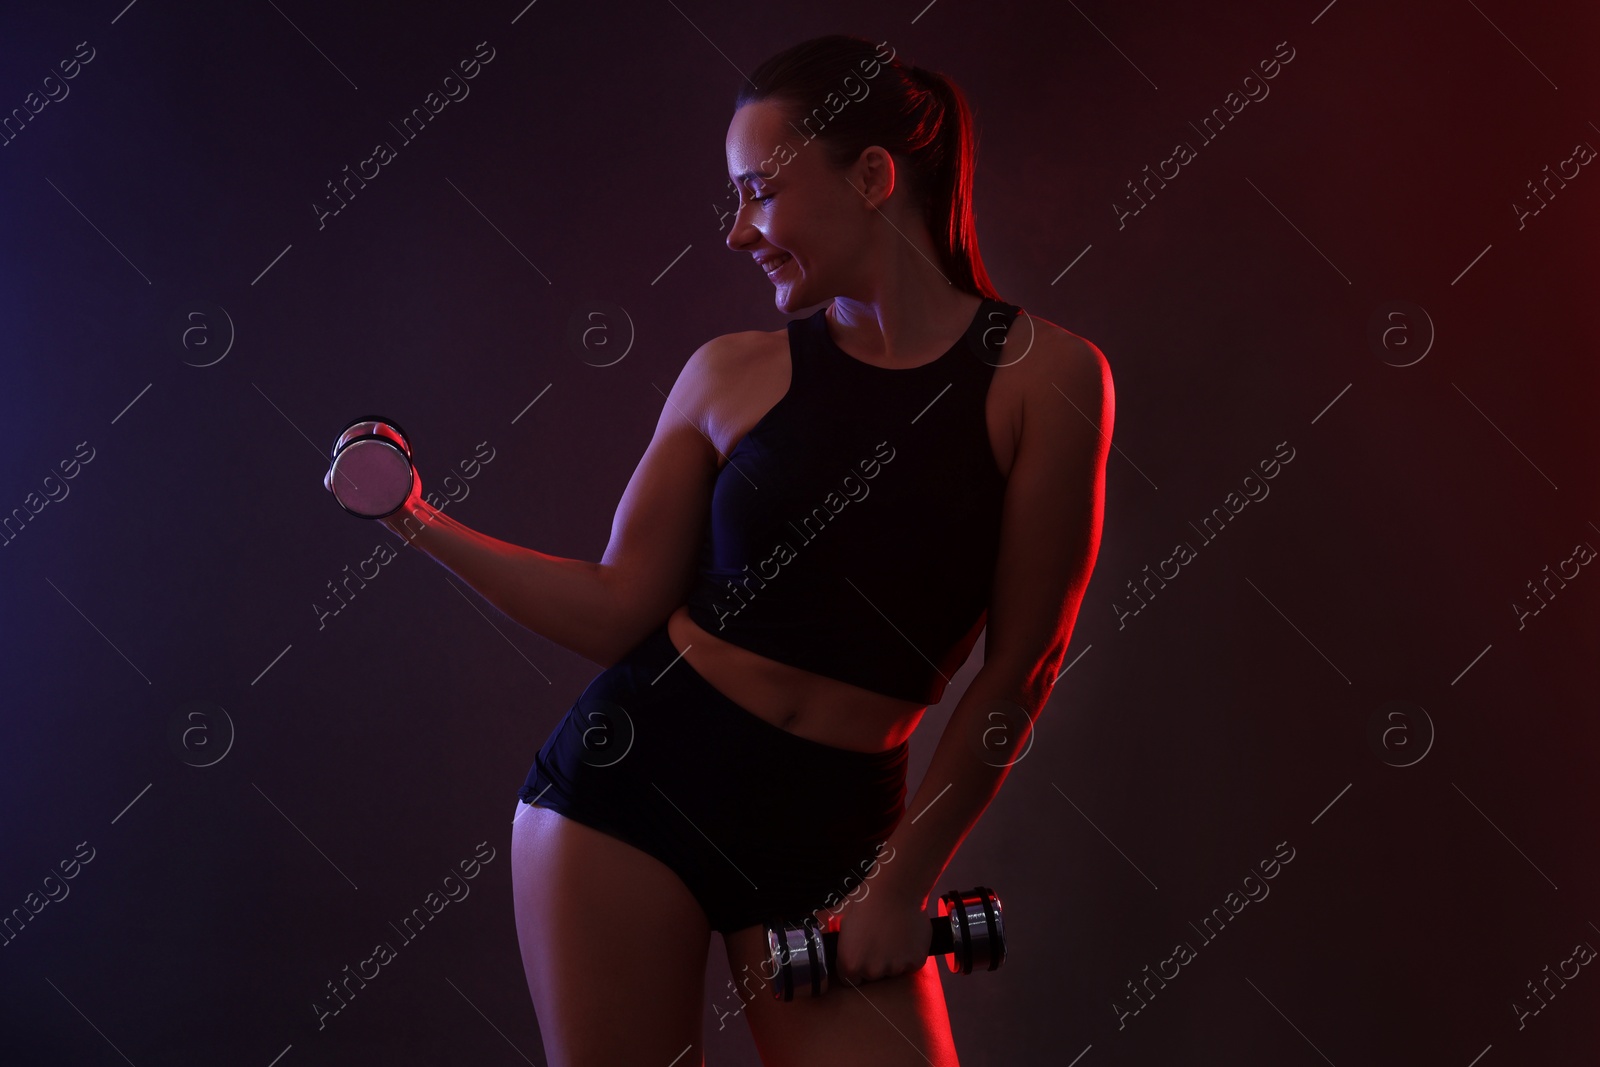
(854, 529)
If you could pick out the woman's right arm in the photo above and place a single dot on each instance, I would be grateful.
(601, 610)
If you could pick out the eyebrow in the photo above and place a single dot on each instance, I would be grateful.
(747, 175)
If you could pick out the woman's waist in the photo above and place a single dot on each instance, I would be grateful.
(802, 702)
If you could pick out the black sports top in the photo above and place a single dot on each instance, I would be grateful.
(854, 529)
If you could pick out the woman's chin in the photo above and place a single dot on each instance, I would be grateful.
(788, 298)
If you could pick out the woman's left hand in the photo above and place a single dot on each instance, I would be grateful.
(882, 933)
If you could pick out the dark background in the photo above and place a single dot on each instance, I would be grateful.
(175, 585)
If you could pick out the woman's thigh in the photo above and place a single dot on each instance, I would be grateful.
(887, 1023)
(613, 944)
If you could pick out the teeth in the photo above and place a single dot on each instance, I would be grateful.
(772, 265)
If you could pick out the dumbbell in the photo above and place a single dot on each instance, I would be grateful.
(371, 474)
(969, 933)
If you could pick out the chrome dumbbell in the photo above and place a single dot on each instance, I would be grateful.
(968, 933)
(371, 474)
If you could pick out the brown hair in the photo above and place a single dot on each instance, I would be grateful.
(919, 116)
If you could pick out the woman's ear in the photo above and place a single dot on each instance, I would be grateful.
(876, 175)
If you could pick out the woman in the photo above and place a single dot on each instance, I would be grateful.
(824, 521)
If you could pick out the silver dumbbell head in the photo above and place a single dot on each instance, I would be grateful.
(371, 474)
(977, 930)
(798, 960)
(379, 425)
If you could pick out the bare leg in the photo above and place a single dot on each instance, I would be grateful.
(613, 943)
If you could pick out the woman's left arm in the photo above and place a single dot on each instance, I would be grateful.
(1049, 538)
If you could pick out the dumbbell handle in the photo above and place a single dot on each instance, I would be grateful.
(942, 942)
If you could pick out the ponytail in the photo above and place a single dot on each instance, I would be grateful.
(948, 202)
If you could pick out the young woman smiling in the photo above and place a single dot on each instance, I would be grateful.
(717, 775)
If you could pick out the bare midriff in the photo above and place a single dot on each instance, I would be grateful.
(802, 702)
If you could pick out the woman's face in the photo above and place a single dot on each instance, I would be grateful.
(796, 212)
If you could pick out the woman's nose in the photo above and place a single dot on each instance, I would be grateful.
(741, 234)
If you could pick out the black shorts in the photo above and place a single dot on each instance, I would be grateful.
(761, 825)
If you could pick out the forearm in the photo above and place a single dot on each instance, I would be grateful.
(571, 602)
(973, 757)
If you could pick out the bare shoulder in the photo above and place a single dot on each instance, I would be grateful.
(733, 353)
(713, 367)
(1056, 388)
(728, 381)
(1055, 352)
